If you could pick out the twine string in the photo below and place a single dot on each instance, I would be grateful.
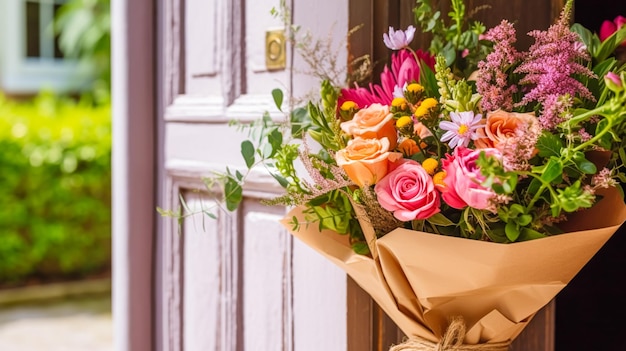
(452, 340)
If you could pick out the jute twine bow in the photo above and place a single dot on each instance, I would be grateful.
(452, 340)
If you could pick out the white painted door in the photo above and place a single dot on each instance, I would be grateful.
(239, 282)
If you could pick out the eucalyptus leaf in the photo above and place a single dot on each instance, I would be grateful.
(247, 151)
(233, 194)
(277, 95)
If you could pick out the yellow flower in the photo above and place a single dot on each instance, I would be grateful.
(429, 103)
(348, 105)
(430, 165)
(425, 107)
(403, 122)
(399, 103)
(414, 88)
(438, 179)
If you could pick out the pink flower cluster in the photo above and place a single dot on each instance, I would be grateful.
(550, 66)
(404, 70)
(411, 194)
(493, 80)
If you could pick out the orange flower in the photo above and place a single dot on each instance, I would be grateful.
(502, 126)
(366, 161)
(408, 147)
(373, 122)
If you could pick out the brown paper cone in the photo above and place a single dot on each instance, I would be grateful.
(420, 279)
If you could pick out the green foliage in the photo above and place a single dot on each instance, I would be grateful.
(55, 197)
(84, 28)
(458, 42)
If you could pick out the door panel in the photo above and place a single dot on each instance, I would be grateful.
(202, 282)
(201, 48)
(238, 282)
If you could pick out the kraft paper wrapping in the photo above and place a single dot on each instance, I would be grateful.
(421, 280)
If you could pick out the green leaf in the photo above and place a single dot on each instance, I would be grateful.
(530, 234)
(497, 234)
(584, 165)
(622, 155)
(440, 219)
(524, 220)
(608, 46)
(300, 122)
(275, 138)
(233, 194)
(247, 151)
(552, 170)
(585, 35)
(549, 145)
(277, 94)
(449, 53)
(280, 179)
(361, 248)
(209, 214)
(512, 231)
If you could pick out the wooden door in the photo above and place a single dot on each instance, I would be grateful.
(239, 282)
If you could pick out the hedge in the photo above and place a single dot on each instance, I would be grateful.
(55, 190)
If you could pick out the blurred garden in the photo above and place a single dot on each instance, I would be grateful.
(55, 187)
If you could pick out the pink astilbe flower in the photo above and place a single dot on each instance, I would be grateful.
(492, 82)
(319, 184)
(584, 135)
(556, 110)
(549, 66)
(603, 179)
(404, 69)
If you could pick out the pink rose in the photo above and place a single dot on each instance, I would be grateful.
(373, 122)
(409, 192)
(609, 27)
(366, 161)
(462, 181)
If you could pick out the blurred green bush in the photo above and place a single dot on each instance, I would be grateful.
(55, 189)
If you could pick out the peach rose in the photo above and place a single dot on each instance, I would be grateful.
(366, 161)
(501, 126)
(373, 122)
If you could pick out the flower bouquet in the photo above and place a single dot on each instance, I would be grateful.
(465, 189)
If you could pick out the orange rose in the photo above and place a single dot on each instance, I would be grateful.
(501, 126)
(366, 161)
(373, 122)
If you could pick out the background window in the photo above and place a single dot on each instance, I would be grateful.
(41, 42)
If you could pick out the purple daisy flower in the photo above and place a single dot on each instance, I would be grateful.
(398, 39)
(461, 129)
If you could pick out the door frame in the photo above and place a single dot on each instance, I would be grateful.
(134, 162)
